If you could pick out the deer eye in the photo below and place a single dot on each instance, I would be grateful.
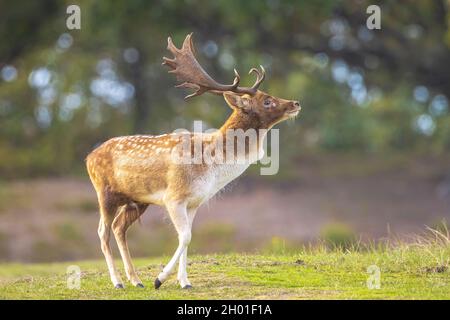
(267, 103)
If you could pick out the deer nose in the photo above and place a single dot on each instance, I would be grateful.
(296, 104)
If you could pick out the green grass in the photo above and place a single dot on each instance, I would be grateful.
(408, 271)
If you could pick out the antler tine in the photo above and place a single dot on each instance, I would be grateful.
(237, 78)
(171, 47)
(260, 76)
(187, 44)
(198, 90)
(169, 62)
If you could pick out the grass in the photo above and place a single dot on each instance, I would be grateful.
(418, 270)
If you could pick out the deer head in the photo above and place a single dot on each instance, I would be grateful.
(248, 102)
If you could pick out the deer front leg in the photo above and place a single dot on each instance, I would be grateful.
(179, 217)
(182, 272)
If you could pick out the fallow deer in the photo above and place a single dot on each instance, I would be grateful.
(131, 172)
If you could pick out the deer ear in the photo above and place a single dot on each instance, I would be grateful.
(236, 101)
(233, 100)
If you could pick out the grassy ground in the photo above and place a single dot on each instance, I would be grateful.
(414, 271)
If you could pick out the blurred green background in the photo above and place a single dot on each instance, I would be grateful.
(368, 155)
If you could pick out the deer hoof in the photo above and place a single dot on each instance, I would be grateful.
(187, 287)
(140, 285)
(118, 286)
(157, 283)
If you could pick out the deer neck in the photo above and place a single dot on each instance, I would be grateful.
(245, 122)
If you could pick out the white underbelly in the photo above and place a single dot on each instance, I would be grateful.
(154, 198)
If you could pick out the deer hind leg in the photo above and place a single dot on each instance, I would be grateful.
(179, 217)
(182, 267)
(107, 212)
(127, 215)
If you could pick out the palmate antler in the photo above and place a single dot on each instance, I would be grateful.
(187, 69)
